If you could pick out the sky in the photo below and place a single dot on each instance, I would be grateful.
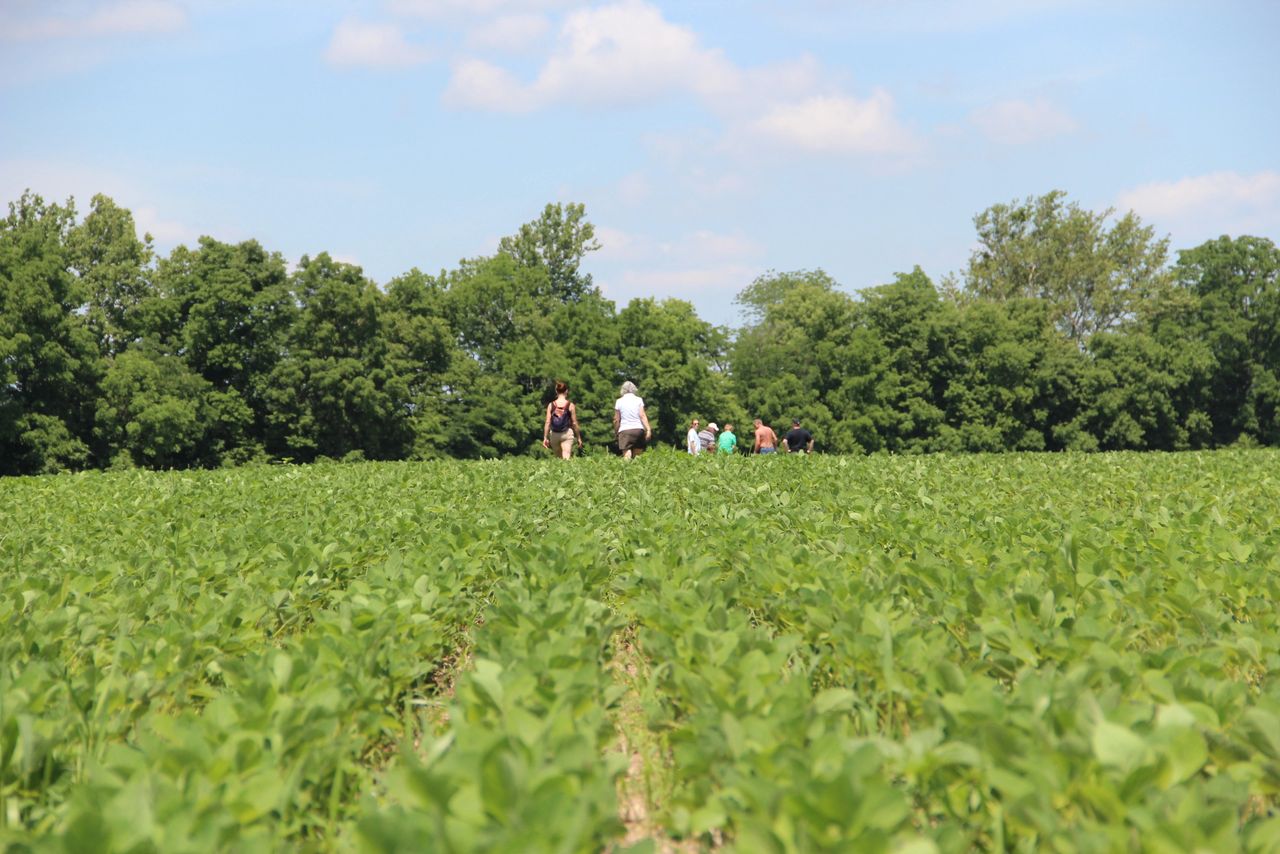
(711, 140)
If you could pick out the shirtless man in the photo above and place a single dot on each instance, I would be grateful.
(765, 440)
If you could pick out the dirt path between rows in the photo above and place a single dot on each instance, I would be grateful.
(645, 788)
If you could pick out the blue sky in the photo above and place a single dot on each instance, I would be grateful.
(710, 140)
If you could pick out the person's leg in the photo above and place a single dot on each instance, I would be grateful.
(566, 444)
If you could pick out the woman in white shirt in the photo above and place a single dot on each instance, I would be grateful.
(630, 422)
(691, 441)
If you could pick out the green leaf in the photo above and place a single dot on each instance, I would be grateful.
(834, 699)
(1118, 747)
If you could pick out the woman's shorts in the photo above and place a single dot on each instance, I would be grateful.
(631, 440)
(561, 439)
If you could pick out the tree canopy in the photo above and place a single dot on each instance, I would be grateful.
(1070, 331)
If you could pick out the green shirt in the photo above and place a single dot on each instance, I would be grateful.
(727, 442)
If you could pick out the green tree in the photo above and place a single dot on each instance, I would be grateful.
(492, 302)
(226, 307)
(905, 403)
(556, 242)
(420, 353)
(792, 359)
(156, 412)
(1235, 289)
(113, 267)
(672, 356)
(227, 310)
(1139, 394)
(1008, 378)
(333, 393)
(515, 337)
(49, 364)
(1093, 275)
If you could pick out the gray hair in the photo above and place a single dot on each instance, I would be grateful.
(628, 387)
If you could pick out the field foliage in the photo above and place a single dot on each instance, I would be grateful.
(1019, 652)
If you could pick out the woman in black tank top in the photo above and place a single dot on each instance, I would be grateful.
(560, 427)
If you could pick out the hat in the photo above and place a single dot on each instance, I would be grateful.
(712, 426)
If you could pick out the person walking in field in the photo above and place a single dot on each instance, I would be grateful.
(560, 427)
(630, 423)
(728, 442)
(707, 438)
(798, 440)
(691, 441)
(764, 440)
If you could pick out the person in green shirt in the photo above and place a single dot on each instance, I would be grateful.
(727, 443)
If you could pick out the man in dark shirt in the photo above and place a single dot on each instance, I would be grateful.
(798, 439)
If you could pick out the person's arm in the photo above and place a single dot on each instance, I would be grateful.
(755, 442)
(546, 428)
(573, 416)
(616, 416)
(808, 449)
(785, 446)
(644, 419)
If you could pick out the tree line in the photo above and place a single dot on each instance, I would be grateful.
(1069, 329)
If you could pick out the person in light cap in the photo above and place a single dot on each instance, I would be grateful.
(708, 437)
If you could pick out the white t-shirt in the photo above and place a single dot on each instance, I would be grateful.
(628, 407)
(694, 444)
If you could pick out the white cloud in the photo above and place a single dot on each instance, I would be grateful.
(375, 45)
(1204, 205)
(752, 90)
(623, 53)
(57, 181)
(446, 9)
(616, 243)
(838, 124)
(705, 267)
(709, 244)
(481, 85)
(689, 283)
(1017, 122)
(902, 17)
(509, 33)
(626, 53)
(89, 20)
(167, 232)
(696, 249)
(634, 189)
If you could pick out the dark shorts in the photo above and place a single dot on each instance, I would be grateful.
(631, 440)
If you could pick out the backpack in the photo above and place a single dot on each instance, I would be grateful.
(560, 421)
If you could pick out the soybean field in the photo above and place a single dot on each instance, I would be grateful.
(1052, 652)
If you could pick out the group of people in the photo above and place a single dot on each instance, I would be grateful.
(763, 440)
(560, 429)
